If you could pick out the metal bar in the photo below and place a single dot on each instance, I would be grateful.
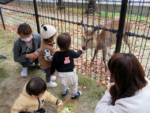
(2, 18)
(36, 15)
(121, 25)
(134, 34)
(17, 11)
(80, 23)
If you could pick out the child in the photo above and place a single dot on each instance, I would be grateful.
(63, 62)
(46, 52)
(33, 96)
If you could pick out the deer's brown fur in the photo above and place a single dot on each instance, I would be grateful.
(103, 39)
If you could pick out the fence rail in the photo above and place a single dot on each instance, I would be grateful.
(73, 18)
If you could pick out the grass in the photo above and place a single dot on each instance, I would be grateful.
(90, 89)
(2, 73)
(6, 40)
(12, 83)
(139, 18)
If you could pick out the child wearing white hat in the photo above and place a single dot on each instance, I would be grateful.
(46, 52)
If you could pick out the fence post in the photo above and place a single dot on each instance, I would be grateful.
(36, 16)
(121, 25)
(2, 18)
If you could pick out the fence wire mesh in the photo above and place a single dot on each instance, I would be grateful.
(93, 25)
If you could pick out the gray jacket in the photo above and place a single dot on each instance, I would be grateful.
(20, 46)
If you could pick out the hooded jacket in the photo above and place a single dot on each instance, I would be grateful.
(45, 45)
(25, 102)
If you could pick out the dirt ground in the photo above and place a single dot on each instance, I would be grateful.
(12, 86)
(11, 83)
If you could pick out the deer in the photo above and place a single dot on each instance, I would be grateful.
(103, 39)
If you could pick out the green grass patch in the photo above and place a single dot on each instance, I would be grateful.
(92, 90)
(139, 18)
(2, 73)
(5, 45)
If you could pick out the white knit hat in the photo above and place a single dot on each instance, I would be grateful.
(47, 31)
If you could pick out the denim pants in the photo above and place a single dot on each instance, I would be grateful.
(28, 62)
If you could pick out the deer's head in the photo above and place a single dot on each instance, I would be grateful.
(89, 38)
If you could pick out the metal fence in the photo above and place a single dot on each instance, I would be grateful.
(71, 16)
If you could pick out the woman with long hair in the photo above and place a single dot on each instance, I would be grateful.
(130, 90)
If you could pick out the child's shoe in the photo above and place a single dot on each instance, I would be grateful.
(53, 78)
(51, 84)
(2, 57)
(24, 72)
(78, 94)
(67, 90)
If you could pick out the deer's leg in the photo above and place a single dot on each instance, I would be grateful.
(127, 42)
(95, 53)
(104, 57)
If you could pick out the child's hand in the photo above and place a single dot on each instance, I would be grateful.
(53, 74)
(59, 102)
(36, 54)
(58, 49)
(82, 51)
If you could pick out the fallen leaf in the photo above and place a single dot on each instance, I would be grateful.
(93, 107)
(84, 87)
(83, 105)
(103, 69)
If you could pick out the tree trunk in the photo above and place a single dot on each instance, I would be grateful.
(60, 5)
(91, 7)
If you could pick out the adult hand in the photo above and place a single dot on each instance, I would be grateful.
(109, 86)
(31, 56)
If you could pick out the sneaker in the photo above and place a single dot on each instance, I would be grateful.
(2, 57)
(67, 90)
(24, 72)
(51, 84)
(53, 78)
(78, 94)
